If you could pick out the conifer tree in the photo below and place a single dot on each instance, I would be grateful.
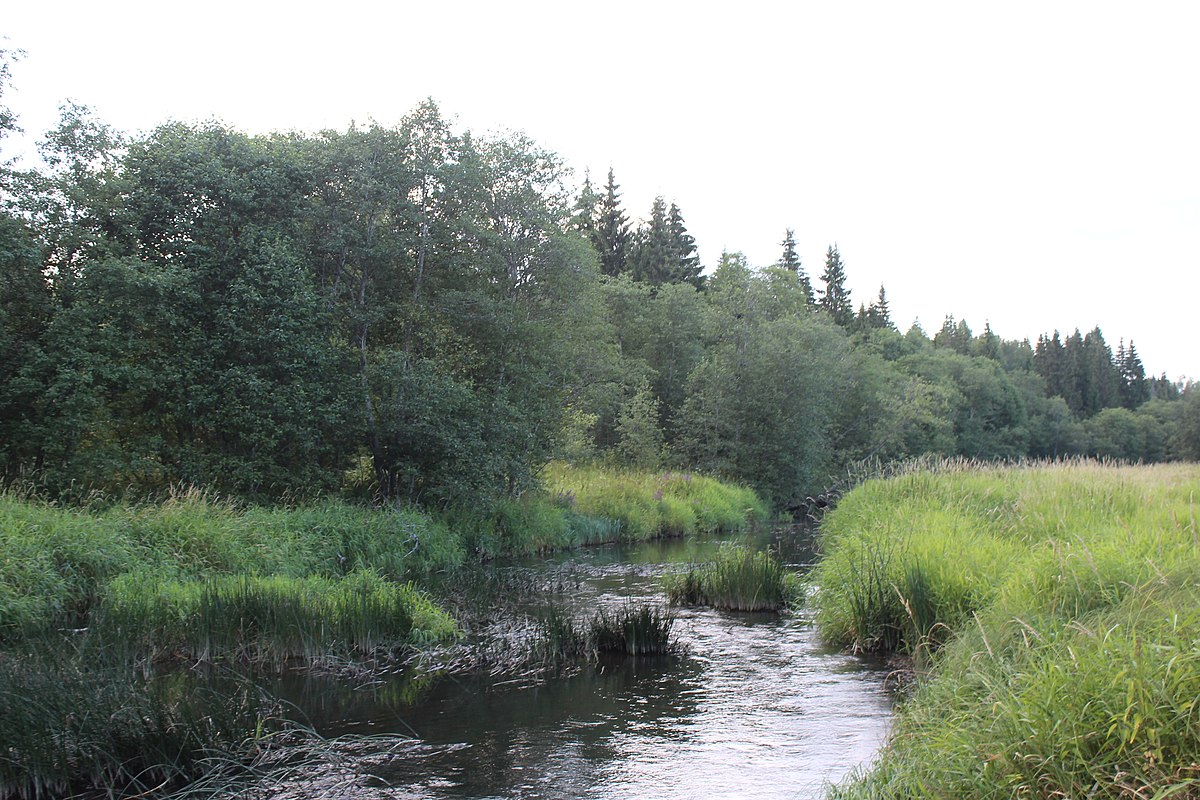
(583, 215)
(1135, 389)
(879, 315)
(1100, 381)
(835, 297)
(612, 230)
(791, 261)
(652, 253)
(683, 249)
(987, 344)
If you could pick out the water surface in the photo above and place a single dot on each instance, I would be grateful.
(757, 707)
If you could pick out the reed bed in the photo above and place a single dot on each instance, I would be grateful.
(739, 579)
(1054, 610)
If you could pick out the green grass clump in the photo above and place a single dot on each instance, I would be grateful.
(641, 505)
(739, 579)
(632, 630)
(635, 630)
(1057, 610)
(269, 618)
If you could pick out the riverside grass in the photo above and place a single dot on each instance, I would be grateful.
(91, 598)
(1054, 613)
(55, 562)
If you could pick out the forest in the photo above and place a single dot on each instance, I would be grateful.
(427, 317)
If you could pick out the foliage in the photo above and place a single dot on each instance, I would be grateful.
(78, 720)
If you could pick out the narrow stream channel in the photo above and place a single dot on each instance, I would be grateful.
(757, 708)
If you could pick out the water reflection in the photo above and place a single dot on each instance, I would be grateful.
(757, 708)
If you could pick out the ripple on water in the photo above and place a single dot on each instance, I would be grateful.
(758, 708)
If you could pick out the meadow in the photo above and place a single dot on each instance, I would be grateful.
(1051, 613)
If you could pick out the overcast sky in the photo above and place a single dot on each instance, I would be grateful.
(1031, 164)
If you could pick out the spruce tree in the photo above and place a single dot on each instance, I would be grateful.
(1100, 384)
(583, 215)
(835, 297)
(791, 260)
(652, 254)
(1135, 389)
(612, 230)
(683, 251)
(879, 315)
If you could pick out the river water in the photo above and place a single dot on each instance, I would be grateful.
(756, 708)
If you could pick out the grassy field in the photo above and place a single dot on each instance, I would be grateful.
(1053, 615)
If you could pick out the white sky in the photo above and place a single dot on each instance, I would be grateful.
(1031, 164)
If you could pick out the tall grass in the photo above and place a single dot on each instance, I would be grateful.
(739, 579)
(83, 722)
(643, 504)
(1063, 603)
(634, 630)
(272, 619)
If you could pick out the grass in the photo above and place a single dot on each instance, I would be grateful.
(269, 619)
(643, 505)
(194, 579)
(77, 718)
(635, 630)
(563, 639)
(1055, 609)
(739, 579)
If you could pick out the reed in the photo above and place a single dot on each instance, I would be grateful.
(739, 579)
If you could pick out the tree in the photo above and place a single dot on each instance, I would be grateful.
(878, 314)
(686, 263)
(954, 336)
(1186, 441)
(789, 260)
(583, 217)
(762, 405)
(612, 230)
(835, 297)
(1134, 388)
(1100, 382)
(651, 257)
(639, 437)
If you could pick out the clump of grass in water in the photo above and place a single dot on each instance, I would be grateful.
(633, 630)
(640, 630)
(738, 580)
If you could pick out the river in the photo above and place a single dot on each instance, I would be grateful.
(756, 708)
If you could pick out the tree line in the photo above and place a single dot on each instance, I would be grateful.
(430, 316)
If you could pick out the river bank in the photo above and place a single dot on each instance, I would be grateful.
(1052, 614)
(93, 602)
